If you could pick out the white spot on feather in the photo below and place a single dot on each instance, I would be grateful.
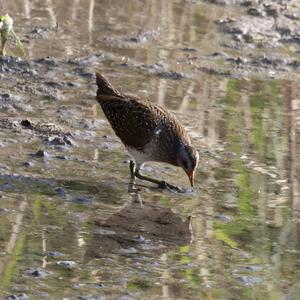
(157, 131)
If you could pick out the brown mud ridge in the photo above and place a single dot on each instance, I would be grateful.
(50, 133)
(138, 228)
(267, 24)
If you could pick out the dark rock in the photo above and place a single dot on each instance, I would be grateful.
(139, 239)
(26, 124)
(17, 297)
(60, 141)
(256, 11)
(40, 153)
(5, 97)
(254, 268)
(68, 264)
(62, 157)
(38, 272)
(28, 164)
(219, 54)
(188, 49)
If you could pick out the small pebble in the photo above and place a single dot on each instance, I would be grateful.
(68, 264)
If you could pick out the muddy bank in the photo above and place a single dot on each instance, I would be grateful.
(268, 24)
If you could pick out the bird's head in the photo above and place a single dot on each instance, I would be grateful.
(188, 159)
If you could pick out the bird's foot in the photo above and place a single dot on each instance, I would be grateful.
(132, 187)
(170, 187)
(132, 169)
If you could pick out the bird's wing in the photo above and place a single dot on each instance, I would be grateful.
(133, 120)
(168, 123)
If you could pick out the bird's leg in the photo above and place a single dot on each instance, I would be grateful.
(132, 167)
(162, 184)
(131, 186)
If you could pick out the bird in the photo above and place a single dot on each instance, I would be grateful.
(148, 131)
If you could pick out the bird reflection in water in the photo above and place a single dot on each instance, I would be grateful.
(138, 228)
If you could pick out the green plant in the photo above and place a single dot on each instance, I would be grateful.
(6, 30)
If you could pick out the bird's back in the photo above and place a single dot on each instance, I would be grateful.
(140, 123)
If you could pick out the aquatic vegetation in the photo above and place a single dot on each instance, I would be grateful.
(6, 31)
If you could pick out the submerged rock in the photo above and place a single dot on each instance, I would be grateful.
(40, 153)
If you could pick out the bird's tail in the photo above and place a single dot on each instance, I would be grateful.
(105, 87)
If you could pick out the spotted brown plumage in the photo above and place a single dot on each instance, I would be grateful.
(148, 131)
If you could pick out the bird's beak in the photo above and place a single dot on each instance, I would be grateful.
(191, 176)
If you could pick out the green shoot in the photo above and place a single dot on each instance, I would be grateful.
(6, 30)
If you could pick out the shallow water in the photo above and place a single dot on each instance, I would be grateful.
(68, 226)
